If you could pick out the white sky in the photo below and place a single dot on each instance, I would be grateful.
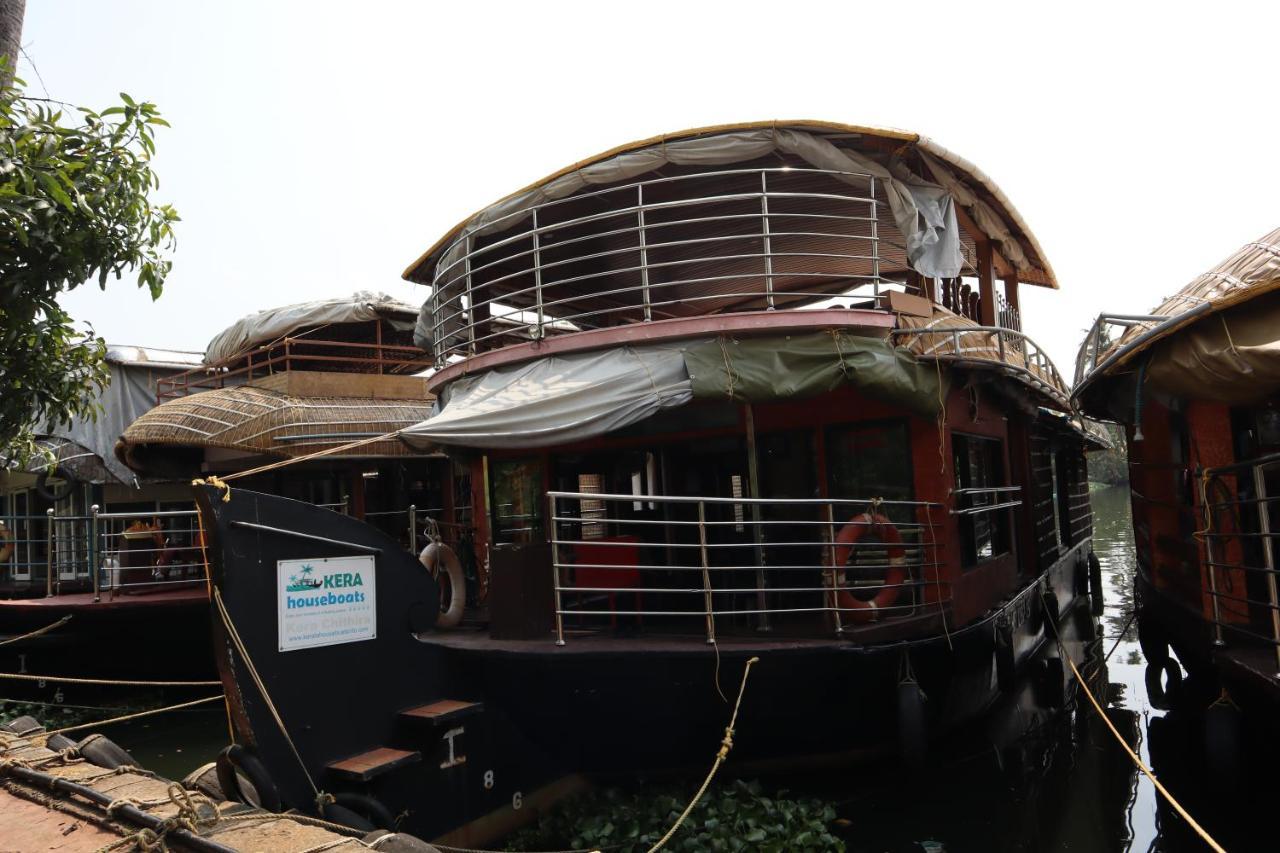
(319, 148)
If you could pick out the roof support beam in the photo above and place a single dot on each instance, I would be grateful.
(1003, 267)
(986, 284)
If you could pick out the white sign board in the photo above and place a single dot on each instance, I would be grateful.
(326, 601)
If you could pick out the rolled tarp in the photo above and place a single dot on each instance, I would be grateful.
(568, 398)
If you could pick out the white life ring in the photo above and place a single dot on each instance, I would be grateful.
(434, 557)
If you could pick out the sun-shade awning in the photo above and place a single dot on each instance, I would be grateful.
(567, 398)
(558, 400)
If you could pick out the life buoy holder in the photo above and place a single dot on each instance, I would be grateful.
(884, 533)
(434, 557)
(6, 543)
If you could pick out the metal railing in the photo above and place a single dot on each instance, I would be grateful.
(742, 563)
(116, 552)
(297, 353)
(995, 344)
(725, 240)
(1241, 515)
(1099, 342)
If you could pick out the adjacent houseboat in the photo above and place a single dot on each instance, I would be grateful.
(1195, 384)
(79, 530)
(754, 391)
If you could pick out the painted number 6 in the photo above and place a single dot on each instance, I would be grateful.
(517, 800)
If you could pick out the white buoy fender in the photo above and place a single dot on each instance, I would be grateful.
(434, 557)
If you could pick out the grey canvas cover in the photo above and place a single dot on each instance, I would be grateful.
(130, 393)
(264, 327)
(923, 212)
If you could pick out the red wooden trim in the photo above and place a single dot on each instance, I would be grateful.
(747, 322)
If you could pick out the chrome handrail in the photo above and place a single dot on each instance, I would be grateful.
(1027, 358)
(511, 276)
(694, 546)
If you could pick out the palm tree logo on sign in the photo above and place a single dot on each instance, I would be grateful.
(306, 582)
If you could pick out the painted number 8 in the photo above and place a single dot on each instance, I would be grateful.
(488, 780)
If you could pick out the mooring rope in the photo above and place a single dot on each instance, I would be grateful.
(1137, 759)
(266, 697)
(36, 633)
(134, 716)
(316, 455)
(60, 679)
(726, 744)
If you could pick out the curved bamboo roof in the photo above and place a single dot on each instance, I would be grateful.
(1248, 273)
(256, 420)
(978, 194)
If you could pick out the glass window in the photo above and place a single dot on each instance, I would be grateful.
(871, 460)
(979, 465)
(517, 501)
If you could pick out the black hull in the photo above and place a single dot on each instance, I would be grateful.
(132, 638)
(544, 713)
(1246, 668)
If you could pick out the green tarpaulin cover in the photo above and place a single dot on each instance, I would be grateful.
(758, 370)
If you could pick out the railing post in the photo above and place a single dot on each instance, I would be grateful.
(834, 572)
(875, 241)
(48, 554)
(471, 303)
(1264, 526)
(554, 528)
(413, 528)
(644, 254)
(537, 275)
(93, 552)
(768, 242)
(706, 573)
(1213, 570)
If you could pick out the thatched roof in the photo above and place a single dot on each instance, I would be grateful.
(1250, 272)
(928, 162)
(256, 420)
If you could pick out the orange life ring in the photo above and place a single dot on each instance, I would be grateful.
(6, 543)
(883, 531)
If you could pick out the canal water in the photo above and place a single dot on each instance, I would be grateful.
(1032, 777)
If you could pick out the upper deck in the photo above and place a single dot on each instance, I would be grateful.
(739, 229)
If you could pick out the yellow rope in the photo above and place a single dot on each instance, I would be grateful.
(262, 689)
(58, 679)
(1133, 755)
(726, 744)
(131, 716)
(316, 455)
(36, 633)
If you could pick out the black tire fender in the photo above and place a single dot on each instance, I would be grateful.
(237, 760)
(1163, 680)
(369, 812)
(51, 494)
(104, 752)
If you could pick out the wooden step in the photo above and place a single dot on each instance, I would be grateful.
(443, 711)
(375, 762)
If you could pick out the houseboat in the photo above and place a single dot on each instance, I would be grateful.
(1195, 384)
(748, 392)
(78, 529)
(296, 383)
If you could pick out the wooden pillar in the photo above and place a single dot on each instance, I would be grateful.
(1011, 290)
(986, 284)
